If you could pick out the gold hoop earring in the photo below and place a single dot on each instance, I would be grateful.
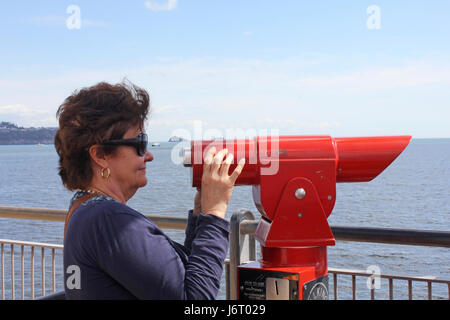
(108, 173)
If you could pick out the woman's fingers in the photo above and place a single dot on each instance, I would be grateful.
(237, 171)
(216, 164)
(208, 160)
(218, 160)
(226, 165)
(217, 185)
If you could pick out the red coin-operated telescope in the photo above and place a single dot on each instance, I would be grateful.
(294, 188)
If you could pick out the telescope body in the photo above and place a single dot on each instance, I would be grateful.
(294, 188)
(271, 162)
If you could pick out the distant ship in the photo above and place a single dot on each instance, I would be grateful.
(176, 139)
(156, 144)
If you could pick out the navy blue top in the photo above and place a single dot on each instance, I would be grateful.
(113, 252)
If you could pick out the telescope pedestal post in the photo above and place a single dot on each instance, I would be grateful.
(293, 264)
(298, 274)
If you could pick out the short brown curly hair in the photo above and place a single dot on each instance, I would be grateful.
(90, 116)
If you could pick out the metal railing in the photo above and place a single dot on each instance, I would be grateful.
(372, 287)
(242, 250)
(243, 225)
(11, 245)
(8, 248)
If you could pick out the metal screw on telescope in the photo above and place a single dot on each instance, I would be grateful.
(300, 193)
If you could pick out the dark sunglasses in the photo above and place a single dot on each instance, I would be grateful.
(140, 143)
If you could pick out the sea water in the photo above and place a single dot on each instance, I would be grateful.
(412, 193)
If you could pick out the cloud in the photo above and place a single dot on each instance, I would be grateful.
(170, 123)
(296, 124)
(20, 110)
(370, 79)
(155, 6)
(295, 95)
(27, 116)
(164, 109)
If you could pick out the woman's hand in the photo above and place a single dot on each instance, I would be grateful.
(197, 202)
(217, 185)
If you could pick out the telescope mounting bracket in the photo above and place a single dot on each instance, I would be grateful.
(297, 222)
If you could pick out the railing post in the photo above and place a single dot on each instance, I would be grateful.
(242, 248)
(43, 270)
(3, 271)
(22, 272)
(32, 272)
(13, 288)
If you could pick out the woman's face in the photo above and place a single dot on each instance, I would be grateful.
(128, 169)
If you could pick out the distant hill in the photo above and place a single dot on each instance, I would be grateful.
(12, 134)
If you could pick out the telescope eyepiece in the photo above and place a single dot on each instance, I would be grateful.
(187, 159)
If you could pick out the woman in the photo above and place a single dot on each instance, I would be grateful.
(110, 250)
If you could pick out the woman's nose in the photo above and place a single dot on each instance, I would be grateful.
(148, 156)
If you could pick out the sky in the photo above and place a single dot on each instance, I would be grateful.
(244, 68)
